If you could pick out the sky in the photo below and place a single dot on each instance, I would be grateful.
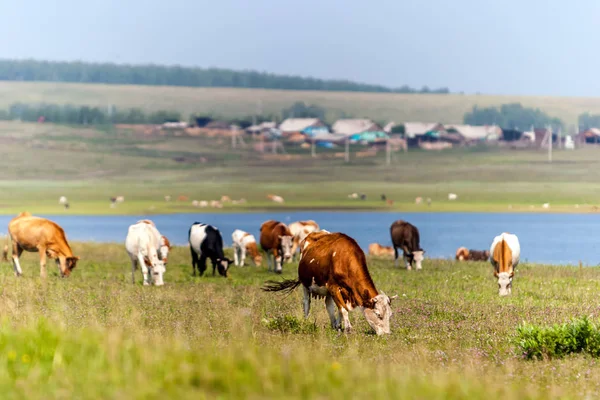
(513, 47)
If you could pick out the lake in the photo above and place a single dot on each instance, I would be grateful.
(544, 238)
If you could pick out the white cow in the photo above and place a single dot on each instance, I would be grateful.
(62, 200)
(452, 196)
(505, 253)
(300, 230)
(148, 249)
(243, 243)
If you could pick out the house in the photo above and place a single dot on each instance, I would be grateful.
(349, 127)
(589, 136)
(416, 132)
(389, 126)
(473, 134)
(261, 128)
(307, 126)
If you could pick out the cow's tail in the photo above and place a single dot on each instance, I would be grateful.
(286, 286)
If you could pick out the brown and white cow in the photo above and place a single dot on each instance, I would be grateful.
(300, 230)
(505, 251)
(276, 240)
(377, 250)
(245, 243)
(332, 265)
(41, 235)
(464, 254)
(405, 236)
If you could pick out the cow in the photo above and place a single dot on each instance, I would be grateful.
(206, 242)
(332, 265)
(375, 249)
(464, 254)
(299, 230)
(149, 250)
(35, 234)
(275, 198)
(505, 251)
(405, 236)
(245, 243)
(452, 196)
(5, 253)
(276, 240)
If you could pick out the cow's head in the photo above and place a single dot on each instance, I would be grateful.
(378, 316)
(70, 264)
(163, 250)
(418, 257)
(158, 270)
(504, 282)
(257, 259)
(286, 246)
(223, 266)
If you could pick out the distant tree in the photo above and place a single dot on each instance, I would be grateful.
(511, 116)
(587, 121)
(399, 129)
(301, 110)
(34, 70)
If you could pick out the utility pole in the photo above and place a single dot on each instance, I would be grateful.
(549, 134)
(347, 152)
(388, 153)
(313, 151)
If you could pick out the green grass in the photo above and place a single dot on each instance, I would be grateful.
(230, 102)
(41, 162)
(97, 335)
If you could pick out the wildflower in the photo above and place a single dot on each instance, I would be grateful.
(12, 355)
(336, 365)
(25, 358)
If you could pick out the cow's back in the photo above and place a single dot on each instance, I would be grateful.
(514, 249)
(270, 232)
(30, 231)
(140, 237)
(405, 234)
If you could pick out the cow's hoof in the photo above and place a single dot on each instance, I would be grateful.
(146, 284)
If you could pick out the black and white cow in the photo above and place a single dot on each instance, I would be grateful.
(206, 242)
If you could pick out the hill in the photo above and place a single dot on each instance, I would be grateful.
(233, 102)
(162, 75)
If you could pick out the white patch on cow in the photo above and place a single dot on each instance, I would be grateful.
(504, 283)
(311, 261)
(197, 236)
(334, 253)
(306, 243)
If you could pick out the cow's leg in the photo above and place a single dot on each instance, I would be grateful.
(16, 253)
(194, 261)
(306, 301)
(407, 258)
(347, 325)
(202, 264)
(236, 258)
(395, 256)
(43, 257)
(144, 267)
(331, 310)
(295, 246)
(133, 268)
(243, 255)
(213, 261)
(278, 260)
(336, 295)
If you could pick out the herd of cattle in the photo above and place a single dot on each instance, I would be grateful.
(331, 265)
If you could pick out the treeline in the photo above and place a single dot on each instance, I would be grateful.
(84, 72)
(86, 115)
(511, 116)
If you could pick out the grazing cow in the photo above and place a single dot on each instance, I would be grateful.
(406, 237)
(203, 204)
(299, 230)
(167, 198)
(276, 239)
(462, 254)
(418, 200)
(5, 253)
(452, 196)
(195, 203)
(37, 234)
(383, 197)
(225, 199)
(182, 198)
(206, 242)
(479, 255)
(62, 200)
(505, 252)
(245, 243)
(333, 266)
(375, 249)
(149, 250)
(275, 198)
(353, 196)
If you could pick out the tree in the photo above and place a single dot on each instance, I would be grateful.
(511, 116)
(301, 110)
(587, 121)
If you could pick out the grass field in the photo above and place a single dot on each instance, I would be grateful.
(228, 102)
(95, 335)
(41, 162)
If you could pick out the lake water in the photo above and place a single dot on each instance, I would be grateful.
(544, 238)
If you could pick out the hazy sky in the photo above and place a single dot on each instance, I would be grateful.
(537, 47)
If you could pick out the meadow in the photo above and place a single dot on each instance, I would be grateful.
(95, 334)
(233, 103)
(41, 162)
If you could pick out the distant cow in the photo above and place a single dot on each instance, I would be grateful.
(276, 240)
(463, 254)
(206, 242)
(5, 253)
(452, 196)
(245, 243)
(375, 249)
(505, 251)
(149, 250)
(275, 198)
(37, 234)
(333, 266)
(405, 236)
(62, 200)
(299, 230)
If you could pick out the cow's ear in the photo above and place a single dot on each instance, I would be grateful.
(495, 273)
(394, 297)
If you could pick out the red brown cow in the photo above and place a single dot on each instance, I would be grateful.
(37, 234)
(332, 265)
(406, 237)
(463, 254)
(375, 249)
(276, 239)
